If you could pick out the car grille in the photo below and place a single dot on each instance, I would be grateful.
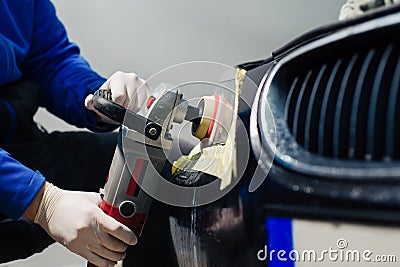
(348, 107)
(335, 104)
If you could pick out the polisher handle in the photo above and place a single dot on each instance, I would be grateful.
(120, 115)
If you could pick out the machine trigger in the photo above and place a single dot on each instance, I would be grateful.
(150, 101)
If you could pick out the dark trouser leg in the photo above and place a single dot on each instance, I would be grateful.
(80, 161)
(74, 161)
(71, 160)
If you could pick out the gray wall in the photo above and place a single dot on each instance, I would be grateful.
(147, 36)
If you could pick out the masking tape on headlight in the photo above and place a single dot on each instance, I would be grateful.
(219, 159)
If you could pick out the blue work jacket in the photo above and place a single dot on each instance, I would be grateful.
(34, 45)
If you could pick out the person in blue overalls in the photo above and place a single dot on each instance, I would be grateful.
(40, 67)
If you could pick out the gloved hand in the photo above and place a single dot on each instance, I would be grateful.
(127, 90)
(354, 8)
(74, 219)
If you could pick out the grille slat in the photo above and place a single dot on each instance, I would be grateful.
(296, 123)
(373, 117)
(308, 131)
(354, 117)
(339, 136)
(393, 113)
(324, 107)
(288, 106)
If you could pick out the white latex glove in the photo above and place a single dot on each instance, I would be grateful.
(74, 219)
(127, 90)
(355, 8)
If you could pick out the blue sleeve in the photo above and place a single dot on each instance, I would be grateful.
(18, 186)
(56, 64)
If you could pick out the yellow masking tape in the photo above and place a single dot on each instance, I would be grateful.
(217, 160)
